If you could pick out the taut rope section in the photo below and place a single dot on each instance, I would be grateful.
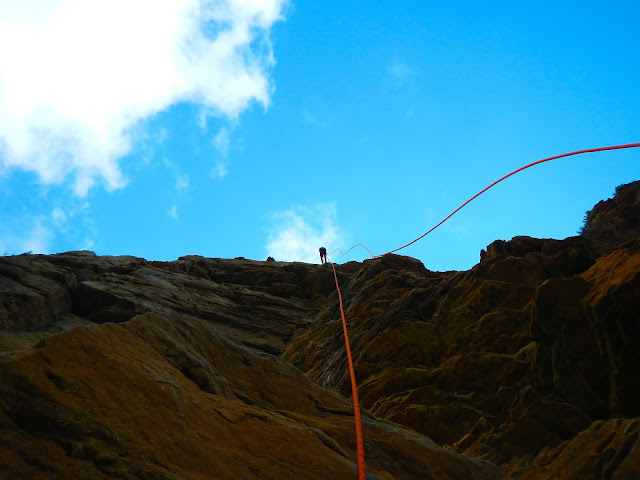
(578, 152)
(354, 387)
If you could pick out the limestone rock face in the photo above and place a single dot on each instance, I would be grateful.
(115, 367)
(525, 366)
(614, 221)
(519, 354)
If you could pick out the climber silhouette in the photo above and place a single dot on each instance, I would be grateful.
(323, 255)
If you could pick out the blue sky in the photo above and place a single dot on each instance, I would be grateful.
(263, 127)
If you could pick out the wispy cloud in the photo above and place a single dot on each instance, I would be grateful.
(222, 141)
(162, 135)
(173, 212)
(312, 119)
(73, 90)
(60, 219)
(401, 74)
(35, 239)
(181, 187)
(297, 233)
(74, 223)
(219, 170)
(45, 220)
(38, 239)
(457, 227)
(182, 180)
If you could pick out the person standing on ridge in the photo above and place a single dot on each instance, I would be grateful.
(323, 255)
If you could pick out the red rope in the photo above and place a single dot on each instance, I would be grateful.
(354, 387)
(615, 147)
(356, 245)
(589, 150)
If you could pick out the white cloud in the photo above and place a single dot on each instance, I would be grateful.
(222, 141)
(225, 144)
(80, 74)
(48, 220)
(219, 170)
(299, 232)
(75, 224)
(182, 179)
(35, 239)
(58, 215)
(60, 219)
(87, 244)
(182, 182)
(203, 116)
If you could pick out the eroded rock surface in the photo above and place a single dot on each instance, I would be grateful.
(521, 353)
(117, 367)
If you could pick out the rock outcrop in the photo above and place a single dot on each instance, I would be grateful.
(115, 367)
(520, 354)
(525, 366)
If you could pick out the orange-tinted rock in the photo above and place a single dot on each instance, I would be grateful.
(212, 368)
(452, 354)
(186, 384)
(614, 221)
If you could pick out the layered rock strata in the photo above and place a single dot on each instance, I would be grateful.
(525, 366)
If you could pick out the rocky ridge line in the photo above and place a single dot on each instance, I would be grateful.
(212, 368)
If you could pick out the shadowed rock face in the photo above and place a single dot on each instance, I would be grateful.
(116, 367)
(522, 352)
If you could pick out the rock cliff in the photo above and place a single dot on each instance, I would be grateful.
(525, 366)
